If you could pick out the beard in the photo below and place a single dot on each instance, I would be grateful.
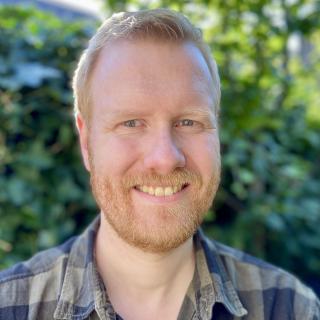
(155, 228)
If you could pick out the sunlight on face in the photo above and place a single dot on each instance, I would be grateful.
(153, 143)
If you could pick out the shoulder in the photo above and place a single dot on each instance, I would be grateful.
(259, 283)
(28, 284)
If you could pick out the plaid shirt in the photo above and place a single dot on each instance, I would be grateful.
(63, 283)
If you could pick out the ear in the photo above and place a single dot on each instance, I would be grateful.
(84, 139)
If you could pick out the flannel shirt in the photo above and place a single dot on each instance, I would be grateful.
(63, 283)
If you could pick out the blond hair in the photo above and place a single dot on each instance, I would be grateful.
(157, 24)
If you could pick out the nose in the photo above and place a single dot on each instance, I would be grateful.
(163, 154)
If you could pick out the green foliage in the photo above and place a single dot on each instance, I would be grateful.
(44, 193)
(268, 203)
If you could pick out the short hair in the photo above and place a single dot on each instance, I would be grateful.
(155, 24)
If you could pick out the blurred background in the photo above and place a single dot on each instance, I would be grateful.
(268, 53)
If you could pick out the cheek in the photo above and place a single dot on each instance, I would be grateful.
(203, 154)
(114, 156)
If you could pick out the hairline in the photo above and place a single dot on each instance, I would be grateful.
(83, 75)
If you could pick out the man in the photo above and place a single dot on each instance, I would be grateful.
(147, 98)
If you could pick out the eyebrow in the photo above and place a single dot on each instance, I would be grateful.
(196, 111)
(203, 114)
(200, 112)
(127, 113)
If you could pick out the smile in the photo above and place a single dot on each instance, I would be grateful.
(160, 191)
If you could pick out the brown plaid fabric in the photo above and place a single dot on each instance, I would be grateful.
(63, 283)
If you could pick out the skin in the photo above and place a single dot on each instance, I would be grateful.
(152, 123)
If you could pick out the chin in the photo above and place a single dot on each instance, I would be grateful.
(156, 231)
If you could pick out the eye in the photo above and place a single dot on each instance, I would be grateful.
(185, 123)
(189, 126)
(132, 123)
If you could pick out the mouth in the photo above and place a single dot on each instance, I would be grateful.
(161, 191)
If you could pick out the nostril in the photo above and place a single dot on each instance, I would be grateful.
(164, 156)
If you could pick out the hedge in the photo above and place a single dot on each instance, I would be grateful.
(268, 203)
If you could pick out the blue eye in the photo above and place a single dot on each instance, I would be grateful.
(185, 123)
(131, 123)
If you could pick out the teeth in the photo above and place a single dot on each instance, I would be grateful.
(160, 191)
(151, 191)
(168, 191)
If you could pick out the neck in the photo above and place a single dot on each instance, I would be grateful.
(130, 272)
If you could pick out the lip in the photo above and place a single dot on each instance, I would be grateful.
(162, 199)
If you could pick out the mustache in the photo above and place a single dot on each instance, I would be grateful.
(180, 176)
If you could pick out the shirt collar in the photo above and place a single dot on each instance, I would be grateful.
(211, 283)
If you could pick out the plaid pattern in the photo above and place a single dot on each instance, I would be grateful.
(63, 283)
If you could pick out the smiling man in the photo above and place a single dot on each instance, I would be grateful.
(147, 99)
(151, 144)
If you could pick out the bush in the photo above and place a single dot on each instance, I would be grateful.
(43, 187)
(268, 203)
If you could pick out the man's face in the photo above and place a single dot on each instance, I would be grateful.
(152, 148)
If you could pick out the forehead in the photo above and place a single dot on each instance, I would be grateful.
(147, 71)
